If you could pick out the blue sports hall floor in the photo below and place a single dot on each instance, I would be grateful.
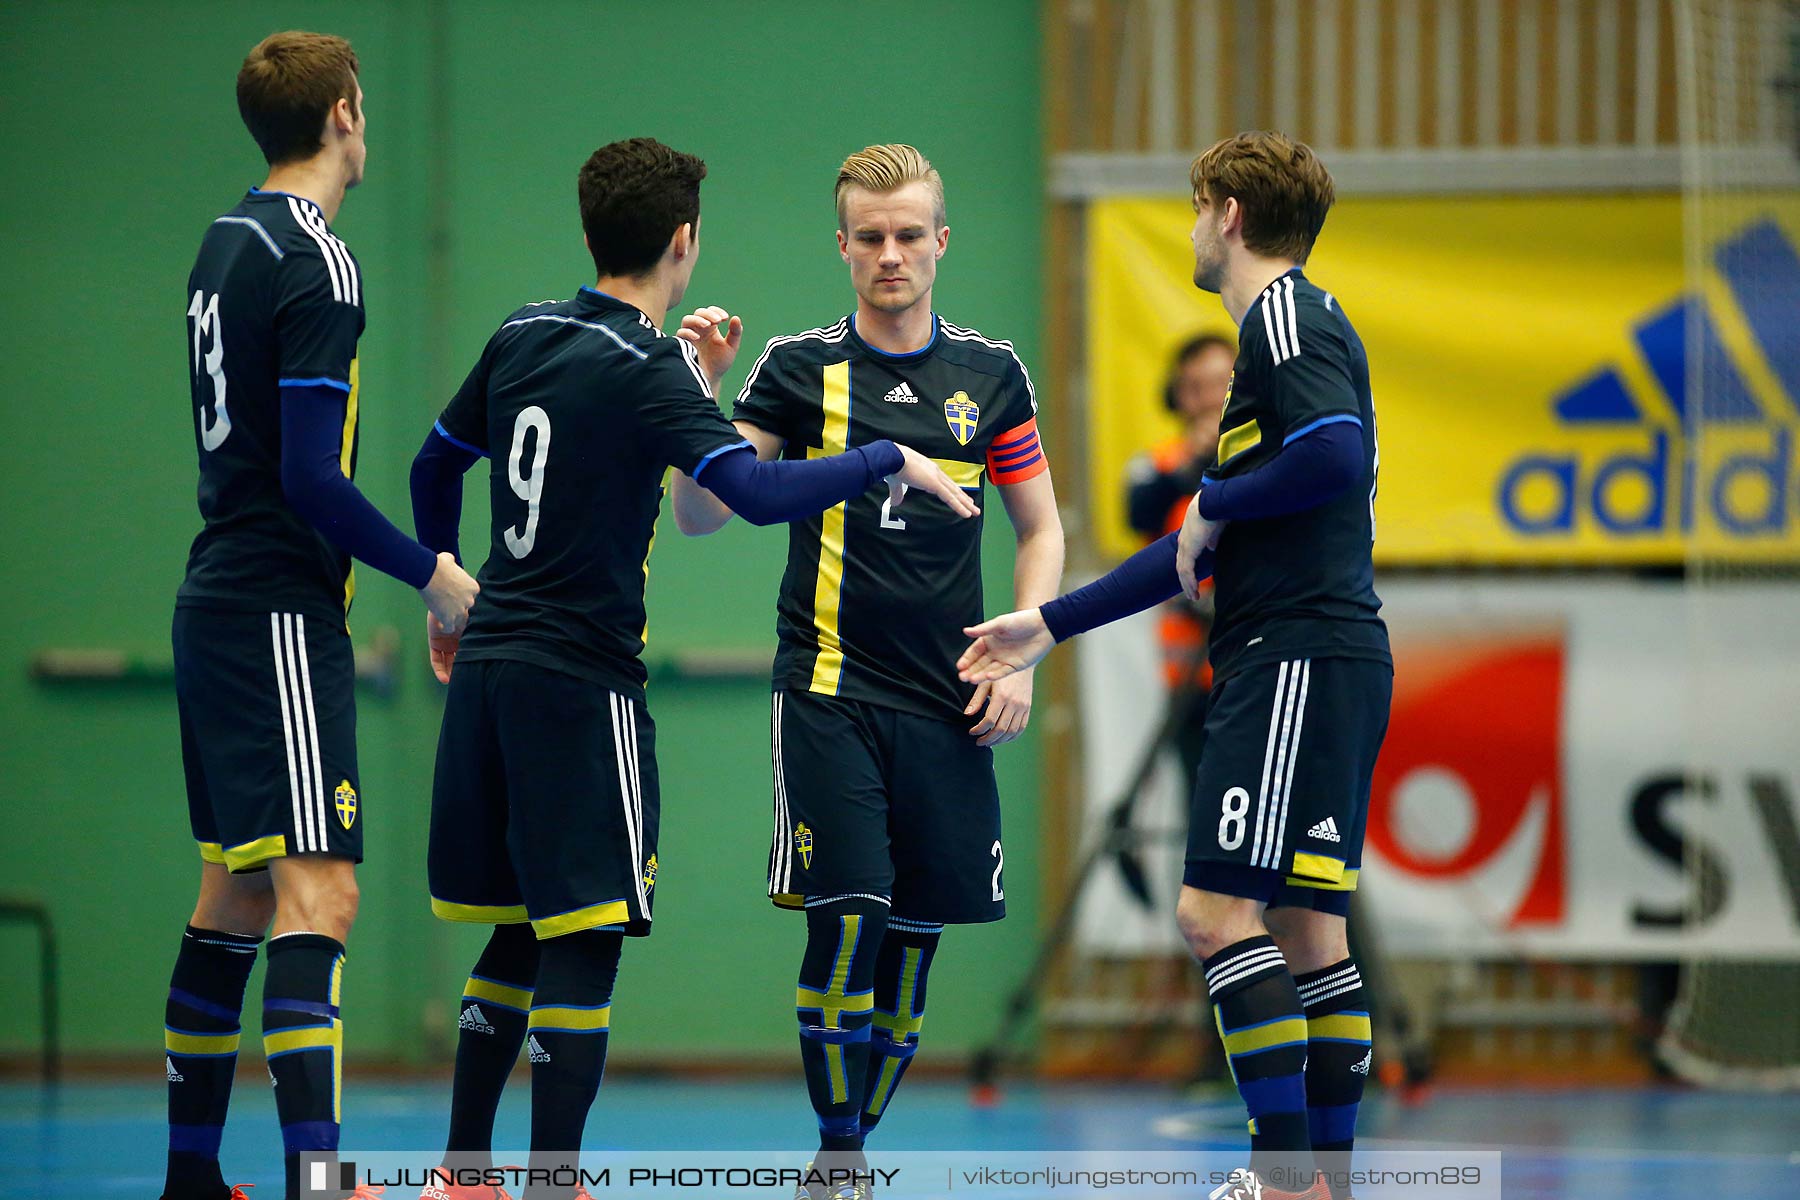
(102, 1140)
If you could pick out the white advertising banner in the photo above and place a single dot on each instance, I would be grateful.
(1574, 769)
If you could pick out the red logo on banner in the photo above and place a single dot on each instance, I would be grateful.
(1468, 791)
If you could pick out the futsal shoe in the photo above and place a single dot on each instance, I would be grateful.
(1244, 1185)
(442, 1187)
(809, 1190)
(859, 1189)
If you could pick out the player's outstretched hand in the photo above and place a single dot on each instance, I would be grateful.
(920, 472)
(450, 594)
(1008, 708)
(716, 335)
(443, 647)
(1016, 641)
(1197, 534)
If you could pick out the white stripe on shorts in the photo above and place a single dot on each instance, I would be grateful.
(1262, 795)
(1292, 750)
(287, 727)
(320, 829)
(627, 779)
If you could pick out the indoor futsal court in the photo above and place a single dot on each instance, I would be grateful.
(1628, 1143)
(1211, 586)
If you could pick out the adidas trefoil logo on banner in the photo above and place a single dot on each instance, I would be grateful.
(538, 1053)
(1325, 831)
(174, 1075)
(474, 1020)
(901, 395)
(1362, 1068)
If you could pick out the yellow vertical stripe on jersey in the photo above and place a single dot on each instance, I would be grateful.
(828, 668)
(644, 634)
(346, 451)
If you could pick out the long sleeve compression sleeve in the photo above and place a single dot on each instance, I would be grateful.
(769, 493)
(436, 483)
(1142, 581)
(314, 485)
(1305, 473)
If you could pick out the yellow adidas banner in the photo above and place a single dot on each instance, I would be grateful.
(1532, 361)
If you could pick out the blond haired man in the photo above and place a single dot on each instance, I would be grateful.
(887, 817)
(1302, 672)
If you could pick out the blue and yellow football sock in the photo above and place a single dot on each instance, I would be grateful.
(834, 1002)
(567, 1032)
(1264, 1031)
(200, 1043)
(901, 970)
(490, 1031)
(303, 1040)
(1339, 1054)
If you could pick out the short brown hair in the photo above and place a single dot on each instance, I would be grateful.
(1284, 189)
(888, 168)
(288, 85)
(634, 195)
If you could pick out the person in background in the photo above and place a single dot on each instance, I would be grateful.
(1159, 483)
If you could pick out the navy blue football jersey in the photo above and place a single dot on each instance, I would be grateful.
(874, 600)
(1301, 585)
(581, 405)
(274, 299)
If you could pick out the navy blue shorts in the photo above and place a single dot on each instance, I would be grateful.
(545, 803)
(267, 705)
(870, 800)
(1281, 797)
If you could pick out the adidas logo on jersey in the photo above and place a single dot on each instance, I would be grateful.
(1362, 1068)
(474, 1020)
(538, 1053)
(174, 1075)
(901, 395)
(1325, 831)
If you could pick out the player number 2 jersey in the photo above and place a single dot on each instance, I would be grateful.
(1301, 585)
(875, 598)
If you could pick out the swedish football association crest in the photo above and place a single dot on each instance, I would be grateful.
(963, 414)
(346, 804)
(803, 842)
(650, 872)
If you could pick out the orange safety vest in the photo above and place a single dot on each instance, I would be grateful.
(1183, 638)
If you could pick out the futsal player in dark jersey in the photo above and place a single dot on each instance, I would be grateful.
(263, 669)
(545, 804)
(1302, 672)
(887, 818)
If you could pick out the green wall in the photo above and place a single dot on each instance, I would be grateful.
(123, 142)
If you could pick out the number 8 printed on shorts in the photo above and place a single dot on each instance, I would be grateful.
(1232, 823)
